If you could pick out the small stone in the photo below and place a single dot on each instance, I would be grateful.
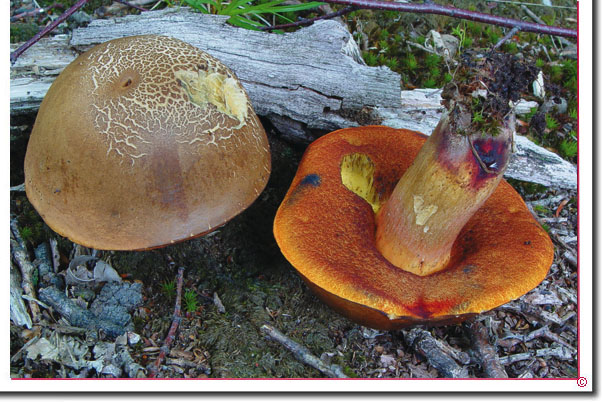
(133, 338)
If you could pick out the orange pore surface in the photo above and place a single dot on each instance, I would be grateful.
(327, 233)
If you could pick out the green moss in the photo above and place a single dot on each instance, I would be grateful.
(168, 288)
(370, 58)
(393, 64)
(551, 122)
(190, 301)
(432, 60)
(526, 188)
(492, 35)
(568, 149)
(429, 83)
(511, 47)
(22, 31)
(410, 62)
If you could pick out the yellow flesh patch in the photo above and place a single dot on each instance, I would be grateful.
(423, 212)
(221, 91)
(357, 174)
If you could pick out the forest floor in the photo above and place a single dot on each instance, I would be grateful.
(236, 281)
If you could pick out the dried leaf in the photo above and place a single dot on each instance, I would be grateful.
(43, 348)
(444, 45)
(103, 272)
(79, 274)
(80, 260)
(62, 349)
(387, 360)
(560, 207)
(218, 303)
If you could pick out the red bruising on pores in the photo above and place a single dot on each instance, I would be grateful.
(494, 154)
(425, 310)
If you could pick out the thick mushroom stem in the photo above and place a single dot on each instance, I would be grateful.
(453, 174)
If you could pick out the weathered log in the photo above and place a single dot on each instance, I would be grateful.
(307, 82)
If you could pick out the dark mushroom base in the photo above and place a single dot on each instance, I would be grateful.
(327, 233)
(374, 318)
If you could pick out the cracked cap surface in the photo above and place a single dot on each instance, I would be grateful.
(144, 141)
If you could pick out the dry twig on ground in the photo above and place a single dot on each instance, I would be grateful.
(488, 357)
(177, 317)
(302, 354)
(440, 355)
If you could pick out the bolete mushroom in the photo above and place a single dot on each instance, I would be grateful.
(393, 229)
(144, 141)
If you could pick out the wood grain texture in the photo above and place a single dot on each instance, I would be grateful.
(306, 83)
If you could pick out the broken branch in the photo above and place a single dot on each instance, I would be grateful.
(302, 354)
(48, 28)
(488, 357)
(432, 8)
(560, 352)
(437, 355)
(309, 21)
(177, 317)
(19, 254)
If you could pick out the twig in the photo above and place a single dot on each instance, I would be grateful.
(536, 19)
(531, 312)
(553, 234)
(131, 4)
(571, 259)
(17, 355)
(432, 8)
(56, 256)
(544, 332)
(302, 354)
(18, 312)
(27, 268)
(531, 14)
(424, 343)
(533, 4)
(19, 188)
(177, 317)
(305, 22)
(506, 37)
(35, 12)
(486, 353)
(560, 352)
(15, 55)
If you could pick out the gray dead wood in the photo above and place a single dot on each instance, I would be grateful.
(437, 353)
(302, 354)
(107, 313)
(27, 268)
(18, 312)
(306, 82)
(77, 315)
(560, 353)
(485, 351)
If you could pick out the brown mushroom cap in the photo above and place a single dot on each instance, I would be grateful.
(144, 141)
(327, 232)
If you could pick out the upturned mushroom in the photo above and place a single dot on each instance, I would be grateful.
(144, 141)
(393, 229)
